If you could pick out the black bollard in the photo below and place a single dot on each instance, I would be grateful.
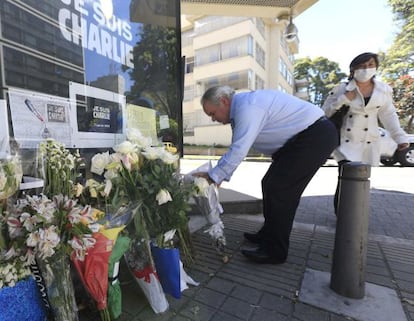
(351, 238)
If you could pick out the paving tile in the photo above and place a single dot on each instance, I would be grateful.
(277, 303)
(262, 314)
(197, 311)
(308, 313)
(209, 297)
(237, 308)
(247, 294)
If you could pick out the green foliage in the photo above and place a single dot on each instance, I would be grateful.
(399, 59)
(322, 75)
(397, 64)
(404, 99)
(156, 69)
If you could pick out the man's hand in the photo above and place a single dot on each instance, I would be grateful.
(206, 176)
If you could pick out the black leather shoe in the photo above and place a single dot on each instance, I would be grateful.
(252, 237)
(260, 255)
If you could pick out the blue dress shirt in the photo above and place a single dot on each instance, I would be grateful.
(264, 120)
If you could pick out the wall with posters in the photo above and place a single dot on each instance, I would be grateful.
(82, 72)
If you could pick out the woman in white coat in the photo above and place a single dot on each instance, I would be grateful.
(369, 100)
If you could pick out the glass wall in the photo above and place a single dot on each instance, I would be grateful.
(83, 72)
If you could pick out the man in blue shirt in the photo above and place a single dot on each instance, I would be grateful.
(297, 136)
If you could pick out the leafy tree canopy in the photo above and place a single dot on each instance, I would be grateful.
(155, 76)
(399, 59)
(322, 75)
(404, 99)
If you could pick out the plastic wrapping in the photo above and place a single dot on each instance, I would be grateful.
(207, 200)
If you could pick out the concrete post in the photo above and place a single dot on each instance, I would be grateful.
(351, 238)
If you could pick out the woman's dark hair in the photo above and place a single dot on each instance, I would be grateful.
(360, 59)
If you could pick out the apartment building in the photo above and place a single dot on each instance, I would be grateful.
(246, 53)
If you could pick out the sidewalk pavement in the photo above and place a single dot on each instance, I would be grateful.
(299, 289)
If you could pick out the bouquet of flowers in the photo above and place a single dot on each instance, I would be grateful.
(169, 267)
(102, 261)
(207, 200)
(45, 232)
(10, 176)
(138, 171)
(59, 168)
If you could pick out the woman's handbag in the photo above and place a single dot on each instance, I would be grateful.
(338, 117)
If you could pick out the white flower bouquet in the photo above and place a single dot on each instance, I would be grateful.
(59, 168)
(137, 171)
(207, 200)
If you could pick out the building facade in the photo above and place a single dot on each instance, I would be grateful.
(83, 72)
(244, 52)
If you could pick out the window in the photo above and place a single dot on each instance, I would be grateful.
(238, 47)
(189, 65)
(259, 83)
(188, 93)
(260, 55)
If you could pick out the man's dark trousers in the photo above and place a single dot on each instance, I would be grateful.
(292, 168)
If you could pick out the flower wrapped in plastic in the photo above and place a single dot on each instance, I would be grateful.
(169, 267)
(10, 176)
(45, 232)
(93, 271)
(140, 262)
(100, 264)
(59, 168)
(207, 201)
(138, 171)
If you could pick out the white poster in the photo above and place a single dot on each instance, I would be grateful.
(164, 122)
(143, 119)
(36, 117)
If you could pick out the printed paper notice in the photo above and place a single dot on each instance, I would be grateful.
(143, 119)
(36, 117)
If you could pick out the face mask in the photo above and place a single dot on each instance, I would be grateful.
(363, 75)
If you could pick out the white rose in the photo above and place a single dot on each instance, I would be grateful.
(125, 147)
(169, 158)
(99, 162)
(202, 185)
(134, 135)
(163, 197)
(153, 153)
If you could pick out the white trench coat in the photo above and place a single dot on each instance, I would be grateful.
(359, 137)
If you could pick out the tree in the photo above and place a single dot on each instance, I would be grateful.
(156, 73)
(322, 75)
(399, 59)
(397, 64)
(404, 99)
